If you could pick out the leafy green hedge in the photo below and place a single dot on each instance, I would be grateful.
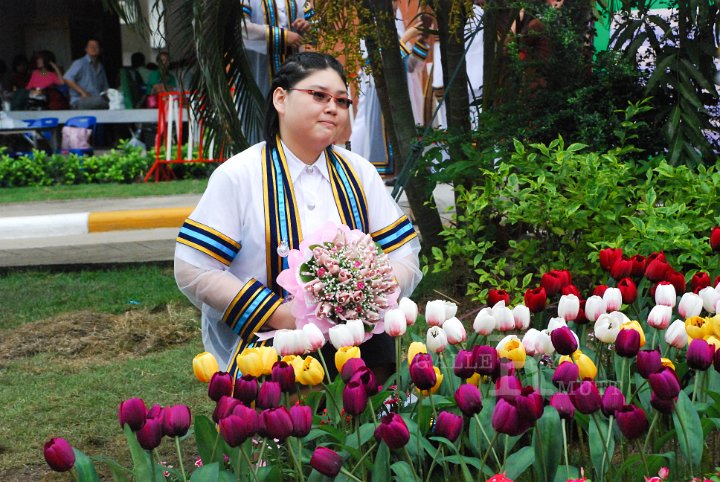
(554, 206)
(125, 164)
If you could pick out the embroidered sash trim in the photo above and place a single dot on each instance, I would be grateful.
(348, 193)
(395, 235)
(247, 10)
(208, 241)
(250, 308)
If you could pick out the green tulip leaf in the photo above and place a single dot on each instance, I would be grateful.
(689, 429)
(210, 444)
(381, 467)
(84, 467)
(211, 473)
(367, 430)
(547, 445)
(519, 461)
(596, 440)
(457, 458)
(634, 463)
(464, 461)
(566, 472)
(142, 462)
(118, 472)
(403, 471)
(269, 473)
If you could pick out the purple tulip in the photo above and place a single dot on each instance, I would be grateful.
(393, 431)
(612, 400)
(301, 416)
(486, 359)
(421, 371)
(648, 362)
(565, 375)
(277, 422)
(468, 399)
(716, 361)
(154, 412)
(355, 398)
(224, 408)
(529, 404)
(448, 425)
(132, 412)
(464, 364)
(284, 374)
(632, 421)
(176, 420)
(150, 435)
(564, 341)
(661, 405)
(627, 343)
(700, 354)
(503, 369)
(326, 461)
(507, 388)
(586, 397)
(59, 454)
(235, 429)
(665, 384)
(246, 389)
(506, 419)
(562, 403)
(350, 367)
(269, 395)
(221, 384)
(366, 377)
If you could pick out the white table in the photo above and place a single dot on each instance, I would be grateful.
(122, 116)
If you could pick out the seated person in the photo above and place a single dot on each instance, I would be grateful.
(161, 80)
(43, 82)
(87, 80)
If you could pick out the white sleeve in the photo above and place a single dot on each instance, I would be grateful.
(260, 37)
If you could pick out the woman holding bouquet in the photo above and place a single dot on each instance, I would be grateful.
(259, 203)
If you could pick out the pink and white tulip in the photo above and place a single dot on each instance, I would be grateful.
(484, 323)
(537, 343)
(676, 335)
(290, 342)
(436, 340)
(690, 305)
(568, 307)
(665, 295)
(313, 335)
(594, 307)
(659, 317)
(710, 297)
(395, 322)
(357, 328)
(613, 299)
(435, 312)
(504, 319)
(555, 323)
(410, 309)
(521, 314)
(340, 336)
(455, 331)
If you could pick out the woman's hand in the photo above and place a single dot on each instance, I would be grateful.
(282, 318)
(294, 39)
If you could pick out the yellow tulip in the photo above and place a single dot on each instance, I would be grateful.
(713, 340)
(312, 372)
(294, 361)
(634, 325)
(584, 363)
(205, 366)
(344, 354)
(715, 324)
(257, 361)
(439, 379)
(415, 348)
(513, 350)
(698, 327)
(666, 362)
(474, 380)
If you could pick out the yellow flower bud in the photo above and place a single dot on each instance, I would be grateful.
(713, 340)
(714, 324)
(439, 379)
(698, 327)
(415, 348)
(474, 380)
(205, 366)
(666, 362)
(634, 325)
(513, 350)
(344, 354)
(586, 365)
(312, 372)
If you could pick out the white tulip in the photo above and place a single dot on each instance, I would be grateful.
(607, 328)
(435, 312)
(568, 307)
(665, 295)
(395, 322)
(340, 336)
(450, 309)
(436, 340)
(710, 297)
(659, 317)
(555, 323)
(676, 335)
(521, 314)
(613, 299)
(455, 331)
(484, 323)
(537, 343)
(314, 336)
(594, 307)
(410, 309)
(690, 305)
(357, 328)
(504, 319)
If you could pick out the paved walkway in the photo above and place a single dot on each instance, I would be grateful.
(36, 222)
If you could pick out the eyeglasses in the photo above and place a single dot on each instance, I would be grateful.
(324, 98)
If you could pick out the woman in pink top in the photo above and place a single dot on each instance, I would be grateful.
(42, 77)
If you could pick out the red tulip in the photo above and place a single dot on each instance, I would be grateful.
(648, 362)
(638, 265)
(586, 397)
(176, 420)
(468, 399)
(628, 290)
(59, 454)
(565, 276)
(151, 433)
(221, 384)
(566, 374)
(700, 280)
(700, 354)
(562, 403)
(535, 299)
(284, 374)
(612, 400)
(677, 279)
(235, 429)
(627, 343)
(608, 256)
(246, 389)
(495, 296)
(552, 282)
(326, 461)
(277, 422)
(132, 412)
(656, 269)
(622, 268)
(301, 416)
(269, 395)
(665, 383)
(715, 238)
(564, 340)
(632, 421)
(485, 358)
(421, 371)
(393, 431)
(600, 290)
(355, 398)
(448, 425)
(570, 290)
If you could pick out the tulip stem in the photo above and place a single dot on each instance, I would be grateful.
(622, 376)
(487, 439)
(637, 390)
(367, 452)
(642, 456)
(217, 439)
(432, 404)
(180, 460)
(606, 443)
(695, 385)
(565, 448)
(487, 452)
(249, 462)
(652, 342)
(412, 466)
(297, 465)
(650, 431)
(322, 360)
(398, 357)
(434, 461)
(348, 474)
(505, 451)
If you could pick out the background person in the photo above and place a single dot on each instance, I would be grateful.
(161, 80)
(44, 80)
(87, 79)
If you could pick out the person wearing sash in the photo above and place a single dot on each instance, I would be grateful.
(259, 203)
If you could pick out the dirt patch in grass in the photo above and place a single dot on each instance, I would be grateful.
(78, 339)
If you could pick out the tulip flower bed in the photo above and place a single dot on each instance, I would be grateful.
(555, 389)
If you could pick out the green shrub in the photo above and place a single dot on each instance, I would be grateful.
(554, 206)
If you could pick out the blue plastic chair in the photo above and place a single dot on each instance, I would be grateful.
(86, 122)
(47, 122)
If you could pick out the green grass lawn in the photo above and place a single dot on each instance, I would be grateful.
(84, 191)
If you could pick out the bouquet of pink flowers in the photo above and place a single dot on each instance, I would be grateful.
(339, 275)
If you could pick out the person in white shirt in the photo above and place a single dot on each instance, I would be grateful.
(259, 203)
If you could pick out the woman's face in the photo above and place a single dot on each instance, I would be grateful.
(39, 63)
(303, 117)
